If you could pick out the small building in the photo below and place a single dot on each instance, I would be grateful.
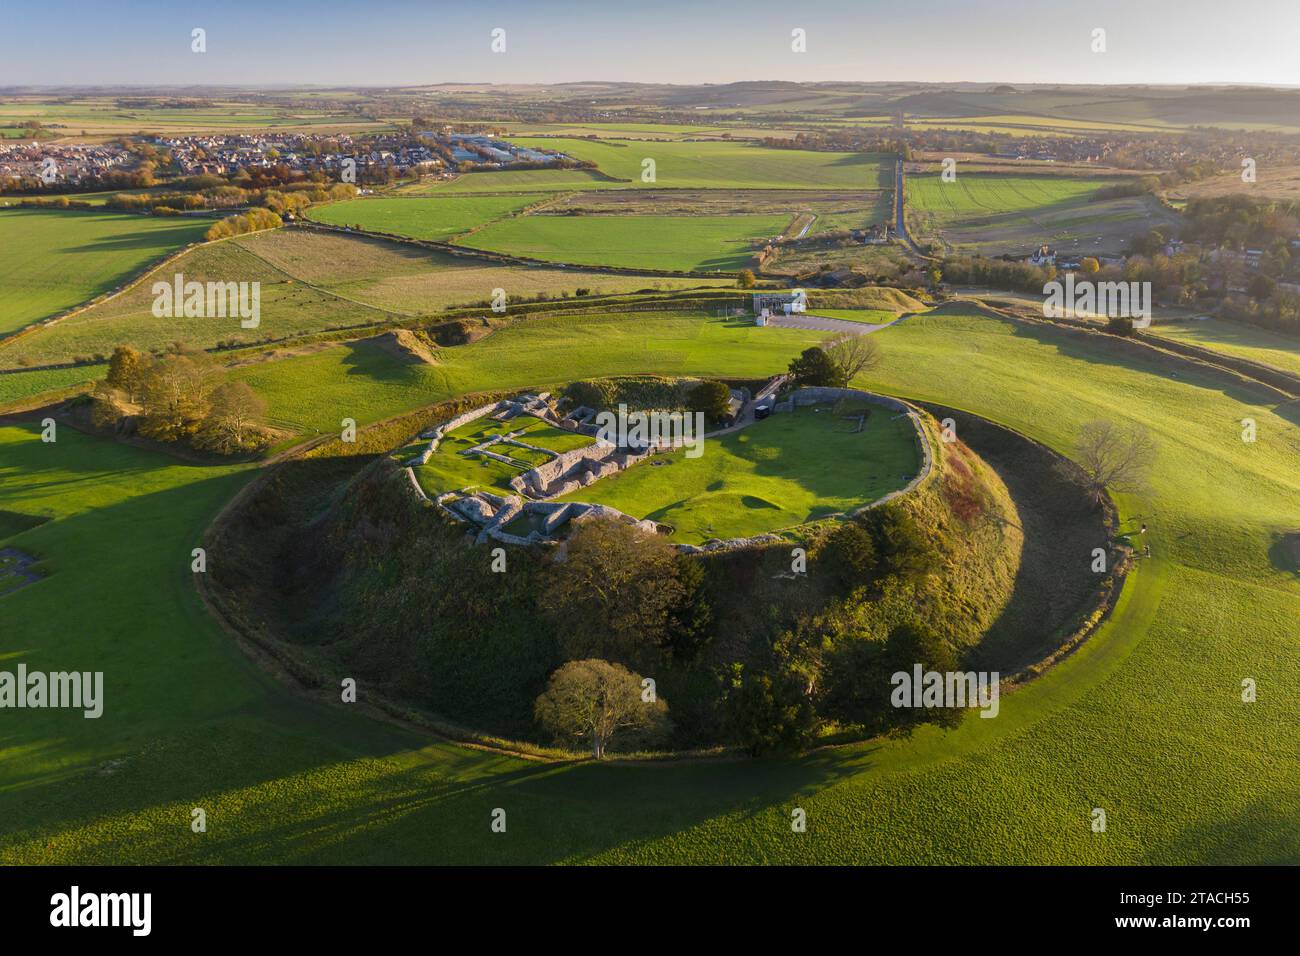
(779, 302)
(1044, 255)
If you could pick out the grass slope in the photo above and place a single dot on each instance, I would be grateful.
(55, 260)
(677, 243)
(420, 218)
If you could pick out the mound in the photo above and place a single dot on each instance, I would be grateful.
(883, 298)
(411, 348)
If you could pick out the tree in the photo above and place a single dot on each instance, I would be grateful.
(814, 368)
(849, 555)
(854, 354)
(612, 591)
(770, 713)
(745, 279)
(901, 543)
(1113, 456)
(1261, 287)
(711, 398)
(233, 422)
(592, 700)
(690, 625)
(126, 371)
(175, 394)
(934, 275)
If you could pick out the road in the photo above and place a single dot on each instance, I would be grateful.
(823, 323)
(900, 220)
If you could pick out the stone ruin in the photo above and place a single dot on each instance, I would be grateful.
(563, 473)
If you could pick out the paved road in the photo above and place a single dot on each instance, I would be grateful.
(900, 220)
(822, 323)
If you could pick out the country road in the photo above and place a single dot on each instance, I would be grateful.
(900, 220)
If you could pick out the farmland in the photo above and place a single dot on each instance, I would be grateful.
(55, 260)
(420, 218)
(677, 243)
(993, 214)
(776, 473)
(723, 165)
(311, 282)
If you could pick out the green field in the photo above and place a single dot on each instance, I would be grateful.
(1233, 338)
(362, 381)
(437, 219)
(995, 213)
(783, 471)
(55, 260)
(1146, 720)
(311, 282)
(676, 243)
(724, 165)
(513, 181)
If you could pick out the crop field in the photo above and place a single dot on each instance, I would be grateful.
(783, 471)
(513, 181)
(1185, 777)
(55, 260)
(406, 278)
(993, 214)
(676, 243)
(725, 165)
(420, 218)
(1234, 338)
(96, 116)
(829, 210)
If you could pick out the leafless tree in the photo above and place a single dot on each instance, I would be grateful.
(853, 354)
(1115, 457)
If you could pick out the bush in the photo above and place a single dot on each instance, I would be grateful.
(711, 398)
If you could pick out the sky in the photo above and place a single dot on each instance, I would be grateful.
(411, 42)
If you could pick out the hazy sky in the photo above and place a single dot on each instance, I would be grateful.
(403, 42)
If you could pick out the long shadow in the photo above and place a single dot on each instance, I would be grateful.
(1099, 348)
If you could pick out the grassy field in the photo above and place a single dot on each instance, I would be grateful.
(1146, 720)
(392, 275)
(678, 243)
(287, 307)
(363, 381)
(725, 165)
(55, 260)
(773, 474)
(1234, 338)
(994, 214)
(513, 181)
(310, 282)
(420, 218)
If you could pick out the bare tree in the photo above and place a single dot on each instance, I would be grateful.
(1114, 456)
(592, 700)
(233, 422)
(853, 354)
